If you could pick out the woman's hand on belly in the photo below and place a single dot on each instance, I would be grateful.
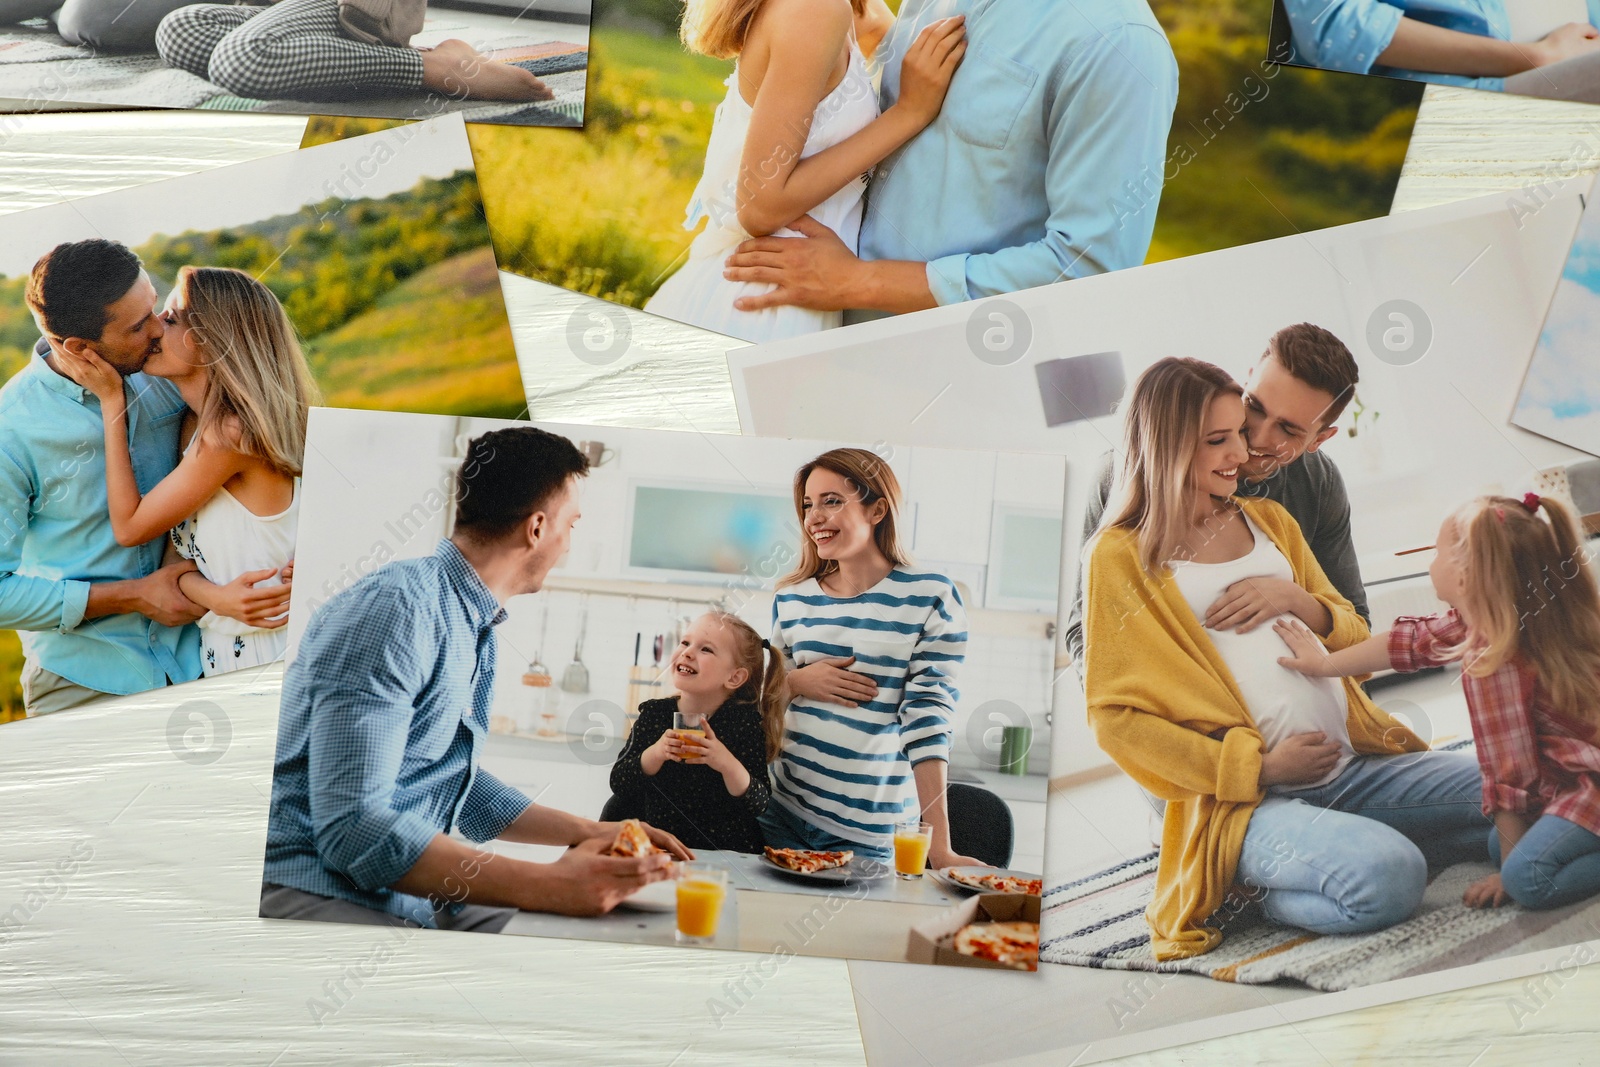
(1248, 603)
(1299, 760)
(828, 682)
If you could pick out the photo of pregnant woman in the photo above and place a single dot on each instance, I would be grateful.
(1544, 48)
(1302, 788)
(874, 646)
(816, 668)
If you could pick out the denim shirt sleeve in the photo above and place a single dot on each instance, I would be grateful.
(26, 602)
(1107, 126)
(490, 807)
(1342, 34)
(372, 662)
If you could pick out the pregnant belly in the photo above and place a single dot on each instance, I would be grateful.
(1282, 702)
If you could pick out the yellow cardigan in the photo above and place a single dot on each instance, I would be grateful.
(1164, 706)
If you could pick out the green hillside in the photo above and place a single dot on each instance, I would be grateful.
(438, 342)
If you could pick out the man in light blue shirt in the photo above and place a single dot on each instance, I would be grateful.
(384, 714)
(95, 617)
(1045, 164)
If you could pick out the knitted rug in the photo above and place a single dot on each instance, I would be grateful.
(38, 68)
(1099, 922)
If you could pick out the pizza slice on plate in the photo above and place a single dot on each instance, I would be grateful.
(990, 882)
(633, 841)
(1011, 943)
(807, 861)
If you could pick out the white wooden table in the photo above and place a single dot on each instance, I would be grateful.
(139, 870)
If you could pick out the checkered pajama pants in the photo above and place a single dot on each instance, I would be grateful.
(293, 50)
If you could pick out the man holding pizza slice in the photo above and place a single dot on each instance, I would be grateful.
(384, 714)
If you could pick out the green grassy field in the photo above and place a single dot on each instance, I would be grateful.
(439, 342)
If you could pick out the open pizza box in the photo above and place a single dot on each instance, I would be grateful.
(930, 940)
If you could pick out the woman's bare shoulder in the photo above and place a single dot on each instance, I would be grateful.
(780, 20)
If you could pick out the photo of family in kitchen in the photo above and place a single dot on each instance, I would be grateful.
(806, 705)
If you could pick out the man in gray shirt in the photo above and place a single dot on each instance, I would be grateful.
(1293, 396)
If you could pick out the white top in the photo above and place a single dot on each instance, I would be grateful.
(851, 106)
(697, 293)
(1282, 702)
(225, 539)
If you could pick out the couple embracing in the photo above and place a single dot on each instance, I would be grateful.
(1223, 632)
(1001, 139)
(149, 471)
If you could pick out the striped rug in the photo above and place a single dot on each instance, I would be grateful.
(1099, 922)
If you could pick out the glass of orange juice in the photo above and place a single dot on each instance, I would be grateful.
(702, 888)
(911, 840)
(690, 725)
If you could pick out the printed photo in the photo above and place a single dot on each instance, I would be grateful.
(490, 60)
(1560, 396)
(1543, 48)
(785, 697)
(1327, 734)
(161, 347)
(748, 168)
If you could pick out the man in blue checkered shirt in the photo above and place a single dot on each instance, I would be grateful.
(384, 712)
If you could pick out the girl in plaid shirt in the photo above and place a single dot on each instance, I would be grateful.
(1524, 620)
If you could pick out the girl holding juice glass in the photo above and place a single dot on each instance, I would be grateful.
(873, 645)
(707, 785)
(1524, 621)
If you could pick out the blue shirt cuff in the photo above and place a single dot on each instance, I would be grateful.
(947, 279)
(398, 842)
(74, 603)
(490, 806)
(1373, 38)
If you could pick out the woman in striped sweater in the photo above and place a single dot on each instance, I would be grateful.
(873, 645)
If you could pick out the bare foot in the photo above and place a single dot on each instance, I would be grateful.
(456, 69)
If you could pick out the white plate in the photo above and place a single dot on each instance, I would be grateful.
(859, 869)
(945, 880)
(657, 896)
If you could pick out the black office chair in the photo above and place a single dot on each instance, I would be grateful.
(980, 824)
(618, 807)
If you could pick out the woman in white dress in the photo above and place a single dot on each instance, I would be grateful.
(796, 135)
(232, 502)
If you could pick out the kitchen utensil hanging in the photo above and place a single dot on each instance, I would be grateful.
(576, 677)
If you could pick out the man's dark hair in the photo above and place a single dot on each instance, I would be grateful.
(72, 285)
(508, 475)
(1319, 359)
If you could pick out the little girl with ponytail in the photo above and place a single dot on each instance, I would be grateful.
(708, 788)
(1524, 621)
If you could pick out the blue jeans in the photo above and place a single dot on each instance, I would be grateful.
(1353, 855)
(782, 828)
(1557, 862)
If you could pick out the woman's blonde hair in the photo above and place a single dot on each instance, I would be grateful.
(1162, 425)
(764, 686)
(718, 28)
(260, 385)
(871, 480)
(1528, 593)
